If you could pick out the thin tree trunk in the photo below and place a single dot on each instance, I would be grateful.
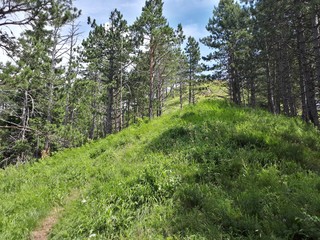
(109, 110)
(305, 72)
(72, 36)
(151, 78)
(25, 115)
(277, 86)
(193, 93)
(316, 45)
(283, 77)
(234, 78)
(180, 91)
(120, 100)
(252, 90)
(190, 83)
(269, 87)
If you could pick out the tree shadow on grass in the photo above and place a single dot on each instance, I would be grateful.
(203, 207)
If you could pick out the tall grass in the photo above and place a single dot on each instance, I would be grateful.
(210, 171)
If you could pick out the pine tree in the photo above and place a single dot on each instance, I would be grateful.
(153, 31)
(226, 28)
(106, 53)
(192, 50)
(30, 83)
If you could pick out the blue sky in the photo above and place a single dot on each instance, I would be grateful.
(192, 14)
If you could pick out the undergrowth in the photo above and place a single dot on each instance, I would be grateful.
(210, 171)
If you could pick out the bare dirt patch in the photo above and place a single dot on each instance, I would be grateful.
(44, 229)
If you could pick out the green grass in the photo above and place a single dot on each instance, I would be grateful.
(210, 171)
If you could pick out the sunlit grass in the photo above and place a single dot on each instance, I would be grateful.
(210, 171)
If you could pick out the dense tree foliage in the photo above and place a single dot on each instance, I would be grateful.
(31, 86)
(269, 53)
(57, 94)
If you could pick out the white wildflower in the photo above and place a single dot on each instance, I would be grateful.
(92, 235)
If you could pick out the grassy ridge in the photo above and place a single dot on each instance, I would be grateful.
(211, 171)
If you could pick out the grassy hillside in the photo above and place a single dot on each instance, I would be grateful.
(210, 171)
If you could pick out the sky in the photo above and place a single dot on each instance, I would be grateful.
(192, 14)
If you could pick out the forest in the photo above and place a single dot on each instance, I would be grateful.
(57, 92)
(129, 133)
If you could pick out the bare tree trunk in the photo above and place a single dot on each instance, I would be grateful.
(25, 115)
(190, 91)
(73, 40)
(50, 84)
(252, 90)
(234, 80)
(93, 121)
(151, 77)
(193, 93)
(94, 115)
(109, 110)
(305, 73)
(128, 112)
(180, 92)
(158, 93)
(277, 87)
(190, 84)
(120, 100)
(283, 77)
(316, 46)
(269, 87)
(291, 97)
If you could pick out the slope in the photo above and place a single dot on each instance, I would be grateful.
(210, 171)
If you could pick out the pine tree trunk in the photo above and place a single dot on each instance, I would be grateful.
(305, 73)
(180, 92)
(190, 92)
(316, 46)
(283, 78)
(94, 113)
(69, 74)
(277, 87)
(252, 91)
(235, 83)
(289, 90)
(109, 110)
(193, 93)
(120, 101)
(25, 115)
(159, 94)
(190, 84)
(151, 78)
(269, 87)
(51, 88)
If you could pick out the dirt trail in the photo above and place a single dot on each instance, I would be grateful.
(42, 232)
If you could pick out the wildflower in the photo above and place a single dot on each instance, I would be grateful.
(92, 235)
